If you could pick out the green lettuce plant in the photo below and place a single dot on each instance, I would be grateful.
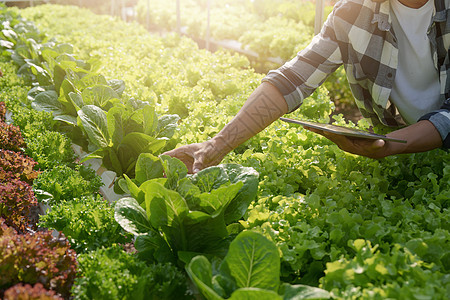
(124, 132)
(250, 270)
(112, 273)
(65, 183)
(180, 215)
(87, 222)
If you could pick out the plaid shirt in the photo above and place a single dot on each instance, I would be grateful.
(358, 34)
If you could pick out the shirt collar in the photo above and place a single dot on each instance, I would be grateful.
(382, 16)
(441, 11)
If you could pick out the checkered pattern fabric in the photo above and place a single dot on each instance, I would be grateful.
(358, 34)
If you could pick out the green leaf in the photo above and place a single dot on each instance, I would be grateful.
(66, 88)
(115, 117)
(92, 79)
(196, 217)
(210, 178)
(164, 207)
(76, 100)
(98, 95)
(67, 119)
(250, 179)
(43, 77)
(64, 48)
(189, 191)
(200, 271)
(300, 291)
(135, 191)
(150, 120)
(48, 101)
(253, 261)
(216, 202)
(167, 125)
(148, 167)
(58, 76)
(254, 294)
(117, 85)
(174, 169)
(99, 153)
(131, 216)
(156, 146)
(94, 122)
(137, 141)
(153, 248)
(9, 34)
(112, 162)
(205, 233)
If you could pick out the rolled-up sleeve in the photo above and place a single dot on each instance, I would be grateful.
(441, 120)
(298, 78)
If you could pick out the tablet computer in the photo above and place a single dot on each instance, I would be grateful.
(336, 129)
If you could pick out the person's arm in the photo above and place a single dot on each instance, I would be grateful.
(421, 136)
(265, 105)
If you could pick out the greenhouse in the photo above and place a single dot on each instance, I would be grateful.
(107, 109)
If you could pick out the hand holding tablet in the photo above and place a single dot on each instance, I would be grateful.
(341, 130)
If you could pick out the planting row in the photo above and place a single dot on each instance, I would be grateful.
(354, 226)
(185, 215)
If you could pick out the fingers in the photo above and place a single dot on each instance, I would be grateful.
(185, 154)
(197, 165)
(359, 146)
(378, 144)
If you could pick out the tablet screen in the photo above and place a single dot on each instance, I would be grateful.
(343, 130)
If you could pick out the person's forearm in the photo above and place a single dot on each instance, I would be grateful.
(421, 136)
(265, 105)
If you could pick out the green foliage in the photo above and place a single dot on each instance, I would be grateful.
(250, 270)
(111, 273)
(314, 200)
(33, 122)
(65, 183)
(36, 258)
(124, 132)
(180, 215)
(397, 274)
(87, 222)
(398, 201)
(49, 149)
(277, 37)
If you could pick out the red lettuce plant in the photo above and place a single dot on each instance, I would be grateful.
(11, 137)
(28, 292)
(36, 258)
(17, 201)
(2, 111)
(18, 165)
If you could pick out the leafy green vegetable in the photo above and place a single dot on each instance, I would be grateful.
(119, 135)
(88, 222)
(189, 212)
(65, 183)
(111, 273)
(250, 270)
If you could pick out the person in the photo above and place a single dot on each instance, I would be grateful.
(396, 57)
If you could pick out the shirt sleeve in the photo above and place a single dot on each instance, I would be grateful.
(300, 77)
(441, 120)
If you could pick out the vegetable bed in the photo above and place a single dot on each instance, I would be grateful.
(312, 221)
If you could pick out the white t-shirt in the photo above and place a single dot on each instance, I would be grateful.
(416, 88)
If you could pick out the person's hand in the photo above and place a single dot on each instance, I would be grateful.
(199, 155)
(359, 146)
